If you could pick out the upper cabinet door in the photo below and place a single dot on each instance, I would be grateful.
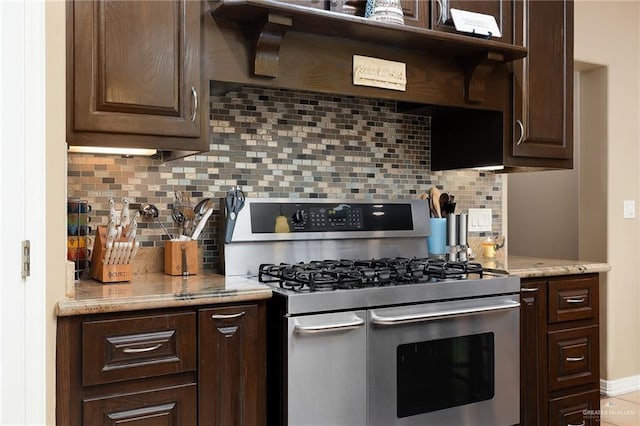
(501, 10)
(543, 81)
(415, 13)
(136, 67)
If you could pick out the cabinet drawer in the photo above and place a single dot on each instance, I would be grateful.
(573, 357)
(578, 410)
(168, 406)
(573, 299)
(132, 348)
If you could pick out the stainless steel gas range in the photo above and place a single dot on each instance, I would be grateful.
(365, 328)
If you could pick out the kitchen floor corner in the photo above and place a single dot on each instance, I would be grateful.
(621, 410)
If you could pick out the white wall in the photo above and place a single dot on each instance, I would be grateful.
(607, 35)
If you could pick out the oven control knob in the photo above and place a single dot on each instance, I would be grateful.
(299, 217)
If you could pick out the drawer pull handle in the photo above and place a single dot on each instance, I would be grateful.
(575, 300)
(229, 316)
(194, 111)
(573, 424)
(529, 290)
(141, 350)
(575, 358)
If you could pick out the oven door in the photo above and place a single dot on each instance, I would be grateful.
(326, 370)
(445, 363)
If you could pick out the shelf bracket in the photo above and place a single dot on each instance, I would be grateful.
(268, 43)
(476, 76)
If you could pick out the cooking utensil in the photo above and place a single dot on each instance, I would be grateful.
(149, 210)
(176, 213)
(189, 217)
(203, 220)
(434, 195)
(124, 213)
(132, 230)
(234, 202)
(444, 203)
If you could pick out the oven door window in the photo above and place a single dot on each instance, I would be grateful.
(438, 374)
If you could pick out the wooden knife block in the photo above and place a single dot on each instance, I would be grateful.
(107, 273)
(175, 252)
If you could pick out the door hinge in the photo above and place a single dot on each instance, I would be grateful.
(26, 258)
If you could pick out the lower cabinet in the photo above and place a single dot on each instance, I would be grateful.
(170, 406)
(185, 366)
(229, 363)
(559, 350)
(577, 409)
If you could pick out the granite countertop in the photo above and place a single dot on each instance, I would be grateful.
(527, 267)
(158, 290)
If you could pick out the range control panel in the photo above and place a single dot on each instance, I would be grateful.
(336, 217)
(342, 216)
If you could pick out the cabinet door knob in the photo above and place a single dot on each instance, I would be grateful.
(519, 123)
(194, 96)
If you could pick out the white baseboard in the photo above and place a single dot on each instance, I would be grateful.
(620, 386)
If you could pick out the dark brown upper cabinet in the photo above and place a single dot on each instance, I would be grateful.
(415, 13)
(536, 131)
(543, 84)
(501, 10)
(134, 75)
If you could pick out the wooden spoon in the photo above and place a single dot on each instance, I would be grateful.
(434, 194)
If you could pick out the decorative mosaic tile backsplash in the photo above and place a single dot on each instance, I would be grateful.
(280, 143)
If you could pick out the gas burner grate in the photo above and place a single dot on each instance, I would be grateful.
(328, 275)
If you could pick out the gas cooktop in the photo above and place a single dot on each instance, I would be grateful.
(334, 285)
(377, 255)
(328, 275)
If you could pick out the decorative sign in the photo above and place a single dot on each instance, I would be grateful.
(475, 23)
(375, 72)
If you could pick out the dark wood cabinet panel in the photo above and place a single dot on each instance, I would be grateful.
(232, 366)
(579, 409)
(501, 10)
(134, 70)
(146, 367)
(559, 369)
(415, 13)
(161, 407)
(573, 357)
(571, 300)
(533, 313)
(543, 81)
(125, 349)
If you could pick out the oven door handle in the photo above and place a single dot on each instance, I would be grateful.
(405, 319)
(312, 329)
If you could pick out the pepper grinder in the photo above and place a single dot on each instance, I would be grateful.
(463, 244)
(452, 238)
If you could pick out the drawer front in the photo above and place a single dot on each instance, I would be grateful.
(576, 410)
(174, 406)
(573, 299)
(573, 357)
(132, 348)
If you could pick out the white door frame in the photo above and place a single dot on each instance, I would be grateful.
(22, 207)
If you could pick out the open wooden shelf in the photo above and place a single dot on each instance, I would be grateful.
(323, 22)
(271, 20)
